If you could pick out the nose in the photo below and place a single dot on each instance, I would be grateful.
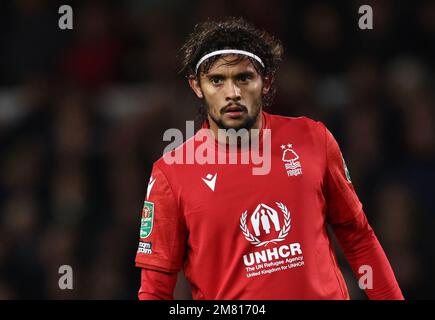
(232, 91)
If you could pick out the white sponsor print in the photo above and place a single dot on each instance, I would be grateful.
(268, 230)
(145, 247)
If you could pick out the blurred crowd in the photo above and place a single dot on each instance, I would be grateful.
(83, 111)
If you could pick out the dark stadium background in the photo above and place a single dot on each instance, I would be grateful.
(82, 114)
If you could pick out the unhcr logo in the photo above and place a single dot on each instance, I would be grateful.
(265, 224)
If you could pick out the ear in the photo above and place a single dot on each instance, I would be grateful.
(194, 84)
(267, 84)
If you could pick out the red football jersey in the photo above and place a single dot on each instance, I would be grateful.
(238, 235)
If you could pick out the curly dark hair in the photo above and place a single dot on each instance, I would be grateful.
(232, 33)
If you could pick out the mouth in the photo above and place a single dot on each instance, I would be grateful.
(234, 111)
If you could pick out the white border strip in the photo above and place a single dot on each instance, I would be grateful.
(227, 51)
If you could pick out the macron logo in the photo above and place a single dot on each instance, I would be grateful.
(150, 186)
(210, 180)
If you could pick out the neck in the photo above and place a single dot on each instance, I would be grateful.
(225, 137)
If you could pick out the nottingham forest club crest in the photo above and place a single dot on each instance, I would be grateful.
(146, 224)
(290, 158)
(266, 225)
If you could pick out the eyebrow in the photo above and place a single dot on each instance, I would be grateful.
(237, 75)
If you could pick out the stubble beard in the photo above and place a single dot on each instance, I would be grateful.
(247, 123)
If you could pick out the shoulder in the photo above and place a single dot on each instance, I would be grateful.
(302, 120)
(302, 123)
(173, 161)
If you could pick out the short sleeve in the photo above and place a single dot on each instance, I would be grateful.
(162, 236)
(342, 201)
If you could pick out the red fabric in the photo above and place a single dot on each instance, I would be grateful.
(351, 228)
(263, 236)
(168, 233)
(157, 285)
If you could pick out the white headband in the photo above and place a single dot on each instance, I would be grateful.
(227, 51)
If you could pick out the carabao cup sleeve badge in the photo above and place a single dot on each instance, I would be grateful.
(146, 224)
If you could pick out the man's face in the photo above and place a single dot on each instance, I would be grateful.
(232, 93)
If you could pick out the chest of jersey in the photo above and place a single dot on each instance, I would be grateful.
(221, 200)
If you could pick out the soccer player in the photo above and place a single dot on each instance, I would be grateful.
(241, 234)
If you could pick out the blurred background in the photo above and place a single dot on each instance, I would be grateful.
(82, 113)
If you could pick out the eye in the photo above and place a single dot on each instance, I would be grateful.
(215, 80)
(244, 77)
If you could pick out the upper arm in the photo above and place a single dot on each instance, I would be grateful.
(343, 204)
(162, 240)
